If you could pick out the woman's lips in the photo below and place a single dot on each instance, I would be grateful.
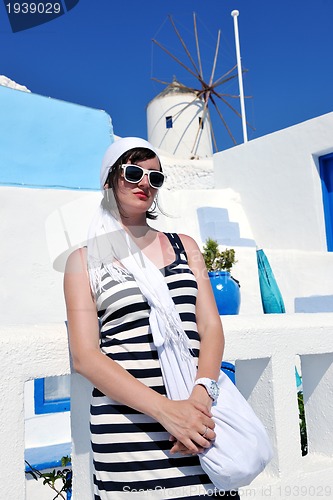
(142, 196)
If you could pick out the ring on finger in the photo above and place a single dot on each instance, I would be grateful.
(206, 430)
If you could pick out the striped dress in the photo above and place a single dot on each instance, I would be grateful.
(131, 450)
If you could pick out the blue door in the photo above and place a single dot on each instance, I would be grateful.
(326, 175)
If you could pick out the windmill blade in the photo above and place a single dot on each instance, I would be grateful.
(177, 115)
(219, 94)
(209, 91)
(197, 45)
(232, 96)
(160, 81)
(215, 57)
(223, 78)
(201, 124)
(234, 109)
(226, 80)
(174, 57)
(212, 133)
(223, 120)
(230, 106)
(185, 47)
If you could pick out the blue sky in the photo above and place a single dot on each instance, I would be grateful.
(100, 54)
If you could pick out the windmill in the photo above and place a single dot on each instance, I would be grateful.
(201, 98)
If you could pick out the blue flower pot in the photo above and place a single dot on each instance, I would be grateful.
(226, 292)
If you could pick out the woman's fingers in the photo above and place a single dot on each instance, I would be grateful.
(178, 447)
(206, 438)
(187, 420)
(202, 442)
(208, 433)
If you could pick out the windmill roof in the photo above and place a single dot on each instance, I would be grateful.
(176, 87)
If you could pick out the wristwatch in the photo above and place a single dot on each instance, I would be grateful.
(210, 385)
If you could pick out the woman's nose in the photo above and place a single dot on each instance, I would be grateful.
(144, 181)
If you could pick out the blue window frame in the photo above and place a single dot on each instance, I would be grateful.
(168, 122)
(326, 175)
(52, 394)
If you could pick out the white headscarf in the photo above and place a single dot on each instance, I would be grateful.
(116, 150)
(106, 235)
(111, 250)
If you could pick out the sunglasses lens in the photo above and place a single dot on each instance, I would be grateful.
(156, 179)
(133, 173)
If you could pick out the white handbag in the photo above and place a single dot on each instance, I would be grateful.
(242, 448)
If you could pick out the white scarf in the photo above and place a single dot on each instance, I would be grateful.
(110, 245)
(111, 249)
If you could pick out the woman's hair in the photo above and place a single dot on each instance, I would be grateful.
(135, 155)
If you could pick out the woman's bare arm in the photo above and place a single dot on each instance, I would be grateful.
(183, 419)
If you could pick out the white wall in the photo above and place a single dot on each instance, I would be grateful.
(277, 179)
(185, 174)
(217, 214)
(26, 353)
(43, 226)
(265, 348)
(305, 279)
(30, 289)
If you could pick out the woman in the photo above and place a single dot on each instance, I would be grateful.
(141, 440)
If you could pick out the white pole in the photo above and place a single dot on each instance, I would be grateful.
(235, 14)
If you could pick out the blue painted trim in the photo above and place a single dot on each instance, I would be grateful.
(326, 175)
(42, 406)
(229, 369)
(42, 186)
(47, 457)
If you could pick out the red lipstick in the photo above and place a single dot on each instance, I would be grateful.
(142, 196)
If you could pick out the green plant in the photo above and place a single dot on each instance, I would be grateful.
(302, 424)
(215, 259)
(50, 478)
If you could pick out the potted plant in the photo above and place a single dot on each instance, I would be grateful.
(225, 287)
(50, 478)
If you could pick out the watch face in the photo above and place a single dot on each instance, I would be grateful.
(214, 389)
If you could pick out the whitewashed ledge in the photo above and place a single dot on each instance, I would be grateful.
(265, 349)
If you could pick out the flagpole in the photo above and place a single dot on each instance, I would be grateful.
(235, 14)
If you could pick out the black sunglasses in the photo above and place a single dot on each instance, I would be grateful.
(134, 174)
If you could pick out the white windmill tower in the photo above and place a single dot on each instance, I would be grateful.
(175, 120)
(178, 119)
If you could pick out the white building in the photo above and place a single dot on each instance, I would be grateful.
(272, 193)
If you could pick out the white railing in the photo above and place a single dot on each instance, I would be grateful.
(265, 348)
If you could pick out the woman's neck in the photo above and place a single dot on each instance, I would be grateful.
(144, 236)
(137, 227)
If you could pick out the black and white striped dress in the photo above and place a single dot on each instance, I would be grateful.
(131, 450)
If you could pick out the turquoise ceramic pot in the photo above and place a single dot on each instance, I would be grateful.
(226, 292)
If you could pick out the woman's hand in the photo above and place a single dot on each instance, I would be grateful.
(190, 423)
(200, 395)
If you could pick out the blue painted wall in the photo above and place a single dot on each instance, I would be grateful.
(49, 143)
